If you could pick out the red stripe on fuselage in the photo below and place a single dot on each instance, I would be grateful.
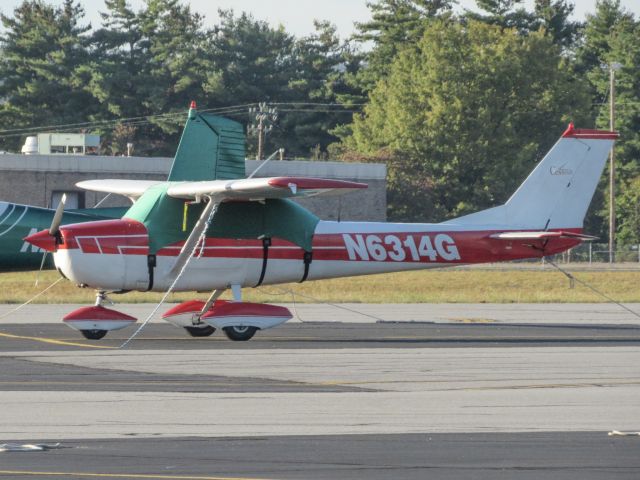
(128, 237)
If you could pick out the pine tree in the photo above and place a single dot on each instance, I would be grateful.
(319, 63)
(253, 61)
(555, 17)
(503, 13)
(551, 15)
(394, 26)
(120, 65)
(178, 57)
(43, 50)
(153, 61)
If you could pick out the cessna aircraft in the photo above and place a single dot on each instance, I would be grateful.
(208, 228)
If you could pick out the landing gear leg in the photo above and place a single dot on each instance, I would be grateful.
(237, 293)
(199, 328)
(96, 334)
(211, 300)
(101, 297)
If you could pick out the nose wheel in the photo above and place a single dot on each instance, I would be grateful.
(93, 334)
(96, 321)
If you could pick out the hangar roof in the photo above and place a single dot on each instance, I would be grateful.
(161, 165)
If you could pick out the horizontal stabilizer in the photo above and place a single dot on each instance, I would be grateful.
(129, 188)
(540, 236)
(263, 188)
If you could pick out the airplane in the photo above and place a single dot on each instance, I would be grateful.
(210, 228)
(18, 221)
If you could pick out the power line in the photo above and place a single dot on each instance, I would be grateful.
(316, 110)
(231, 110)
(122, 120)
(617, 103)
(318, 103)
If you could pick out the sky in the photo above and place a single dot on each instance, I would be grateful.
(297, 15)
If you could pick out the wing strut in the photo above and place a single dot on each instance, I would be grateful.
(194, 238)
(188, 251)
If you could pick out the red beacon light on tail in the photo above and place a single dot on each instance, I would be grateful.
(193, 112)
(569, 131)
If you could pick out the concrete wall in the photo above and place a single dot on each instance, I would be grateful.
(31, 179)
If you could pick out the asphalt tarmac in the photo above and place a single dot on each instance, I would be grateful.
(455, 400)
(324, 335)
(478, 456)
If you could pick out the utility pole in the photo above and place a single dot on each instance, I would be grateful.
(265, 117)
(612, 165)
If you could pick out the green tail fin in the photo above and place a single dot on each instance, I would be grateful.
(211, 148)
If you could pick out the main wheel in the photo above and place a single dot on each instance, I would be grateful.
(240, 334)
(93, 334)
(200, 331)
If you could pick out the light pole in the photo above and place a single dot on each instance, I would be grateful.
(612, 165)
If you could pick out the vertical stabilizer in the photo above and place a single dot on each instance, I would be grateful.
(211, 148)
(559, 190)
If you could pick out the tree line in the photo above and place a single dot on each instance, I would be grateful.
(458, 104)
(141, 67)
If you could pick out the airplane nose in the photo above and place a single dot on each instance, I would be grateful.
(42, 240)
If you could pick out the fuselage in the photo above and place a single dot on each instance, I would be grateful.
(113, 254)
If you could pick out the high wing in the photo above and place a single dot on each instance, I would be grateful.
(129, 188)
(542, 235)
(263, 188)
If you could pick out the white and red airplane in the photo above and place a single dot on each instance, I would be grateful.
(208, 228)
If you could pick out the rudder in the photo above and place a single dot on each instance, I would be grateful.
(211, 148)
(559, 190)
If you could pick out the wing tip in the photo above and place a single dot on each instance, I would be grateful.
(315, 183)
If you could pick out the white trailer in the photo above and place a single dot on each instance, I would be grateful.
(62, 143)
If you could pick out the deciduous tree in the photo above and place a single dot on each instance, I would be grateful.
(466, 115)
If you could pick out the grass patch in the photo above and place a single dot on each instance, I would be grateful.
(441, 286)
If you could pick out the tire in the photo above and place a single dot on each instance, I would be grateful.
(240, 334)
(93, 334)
(200, 331)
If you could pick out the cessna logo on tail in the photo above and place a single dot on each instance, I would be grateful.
(560, 170)
(411, 248)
